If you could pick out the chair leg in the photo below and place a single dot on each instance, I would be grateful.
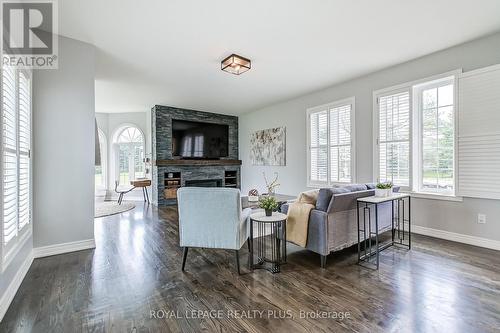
(184, 256)
(237, 261)
(323, 261)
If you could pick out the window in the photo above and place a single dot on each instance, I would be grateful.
(100, 170)
(394, 138)
(130, 146)
(16, 159)
(330, 138)
(435, 122)
(415, 135)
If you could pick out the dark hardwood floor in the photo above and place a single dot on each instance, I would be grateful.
(135, 271)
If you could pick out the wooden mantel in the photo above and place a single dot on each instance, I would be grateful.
(196, 162)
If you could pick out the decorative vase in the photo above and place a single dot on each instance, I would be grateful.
(269, 212)
(253, 195)
(383, 192)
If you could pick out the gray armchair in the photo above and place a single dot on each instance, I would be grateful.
(212, 218)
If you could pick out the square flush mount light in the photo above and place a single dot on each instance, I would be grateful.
(236, 64)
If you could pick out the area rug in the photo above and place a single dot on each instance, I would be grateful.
(107, 208)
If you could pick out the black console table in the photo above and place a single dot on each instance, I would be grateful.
(398, 221)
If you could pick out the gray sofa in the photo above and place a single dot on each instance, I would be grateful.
(333, 223)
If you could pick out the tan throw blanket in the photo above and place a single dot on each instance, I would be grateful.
(298, 217)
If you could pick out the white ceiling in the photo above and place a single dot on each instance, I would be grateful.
(169, 52)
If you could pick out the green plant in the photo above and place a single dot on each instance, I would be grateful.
(268, 203)
(384, 186)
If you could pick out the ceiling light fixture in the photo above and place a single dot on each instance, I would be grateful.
(236, 64)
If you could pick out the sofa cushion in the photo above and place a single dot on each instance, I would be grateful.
(339, 190)
(356, 187)
(347, 201)
(325, 196)
(370, 186)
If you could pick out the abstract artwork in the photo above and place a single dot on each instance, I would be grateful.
(268, 147)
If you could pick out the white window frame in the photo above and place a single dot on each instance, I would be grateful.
(347, 101)
(409, 87)
(10, 250)
(417, 138)
(116, 150)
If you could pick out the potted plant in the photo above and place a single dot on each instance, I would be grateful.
(268, 204)
(383, 190)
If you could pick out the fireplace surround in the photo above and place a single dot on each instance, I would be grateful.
(170, 173)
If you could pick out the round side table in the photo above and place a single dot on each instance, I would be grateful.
(267, 241)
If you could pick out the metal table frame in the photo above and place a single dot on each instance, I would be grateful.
(275, 245)
(396, 223)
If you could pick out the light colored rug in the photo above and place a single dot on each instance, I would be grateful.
(107, 208)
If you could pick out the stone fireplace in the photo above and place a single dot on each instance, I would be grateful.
(169, 174)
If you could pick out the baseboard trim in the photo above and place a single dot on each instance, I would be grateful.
(14, 285)
(52, 250)
(456, 237)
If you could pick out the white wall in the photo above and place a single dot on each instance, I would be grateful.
(63, 135)
(458, 217)
(110, 123)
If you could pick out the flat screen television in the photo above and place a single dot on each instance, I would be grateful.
(198, 140)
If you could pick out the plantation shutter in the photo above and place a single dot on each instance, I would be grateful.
(394, 138)
(330, 143)
(9, 154)
(24, 149)
(479, 133)
(340, 143)
(318, 149)
(16, 145)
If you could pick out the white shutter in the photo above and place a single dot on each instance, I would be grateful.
(394, 138)
(16, 142)
(330, 143)
(24, 149)
(9, 154)
(340, 143)
(479, 133)
(318, 149)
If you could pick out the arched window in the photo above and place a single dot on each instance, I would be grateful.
(100, 170)
(130, 154)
